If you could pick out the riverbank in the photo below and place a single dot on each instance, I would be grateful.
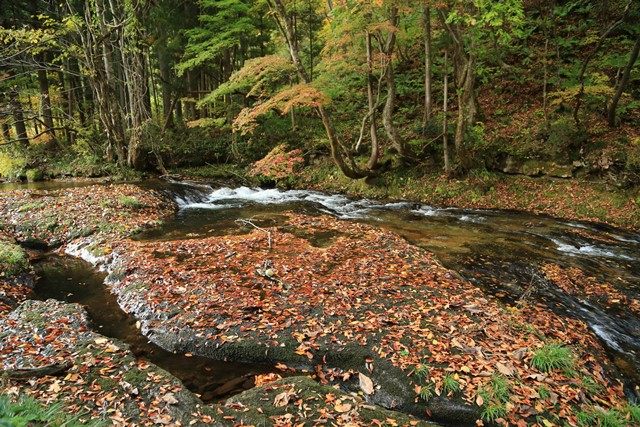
(571, 199)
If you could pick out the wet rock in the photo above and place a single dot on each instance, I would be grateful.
(535, 168)
(301, 400)
(102, 376)
(367, 302)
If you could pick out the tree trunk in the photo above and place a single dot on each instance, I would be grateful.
(467, 104)
(611, 113)
(387, 114)
(75, 81)
(18, 118)
(6, 132)
(45, 106)
(166, 77)
(545, 83)
(445, 110)
(587, 60)
(337, 150)
(426, 19)
(373, 127)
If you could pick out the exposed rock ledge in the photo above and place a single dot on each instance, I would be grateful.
(99, 378)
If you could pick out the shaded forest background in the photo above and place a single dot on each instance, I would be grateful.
(534, 87)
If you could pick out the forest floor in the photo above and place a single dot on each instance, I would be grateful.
(355, 304)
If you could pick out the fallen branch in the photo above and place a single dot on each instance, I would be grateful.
(264, 230)
(24, 373)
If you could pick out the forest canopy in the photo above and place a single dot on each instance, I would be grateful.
(90, 86)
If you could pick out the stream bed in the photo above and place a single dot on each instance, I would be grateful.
(69, 279)
(502, 252)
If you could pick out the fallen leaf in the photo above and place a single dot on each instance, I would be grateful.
(366, 384)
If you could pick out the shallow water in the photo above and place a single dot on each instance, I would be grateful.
(70, 279)
(500, 251)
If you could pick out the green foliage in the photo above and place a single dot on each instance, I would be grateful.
(493, 411)
(12, 164)
(26, 411)
(495, 396)
(590, 385)
(543, 392)
(553, 357)
(422, 372)
(13, 260)
(258, 78)
(450, 384)
(634, 413)
(130, 202)
(223, 24)
(426, 392)
(601, 418)
(34, 175)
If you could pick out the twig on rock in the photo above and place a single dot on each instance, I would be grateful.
(264, 230)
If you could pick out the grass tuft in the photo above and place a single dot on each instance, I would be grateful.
(130, 202)
(553, 357)
(493, 412)
(601, 418)
(426, 392)
(26, 411)
(450, 384)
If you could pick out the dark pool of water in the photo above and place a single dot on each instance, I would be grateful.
(70, 279)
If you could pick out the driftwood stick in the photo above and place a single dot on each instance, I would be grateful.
(247, 222)
(25, 373)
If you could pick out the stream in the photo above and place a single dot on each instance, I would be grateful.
(500, 251)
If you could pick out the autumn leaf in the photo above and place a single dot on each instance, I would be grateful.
(366, 384)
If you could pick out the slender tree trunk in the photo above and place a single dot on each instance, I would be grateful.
(6, 132)
(445, 110)
(467, 104)
(45, 105)
(337, 150)
(373, 126)
(585, 63)
(36, 116)
(426, 18)
(18, 118)
(75, 81)
(611, 113)
(166, 77)
(66, 99)
(387, 114)
(545, 83)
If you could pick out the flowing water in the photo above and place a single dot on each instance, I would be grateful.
(500, 251)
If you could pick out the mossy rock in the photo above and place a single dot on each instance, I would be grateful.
(13, 259)
(301, 398)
